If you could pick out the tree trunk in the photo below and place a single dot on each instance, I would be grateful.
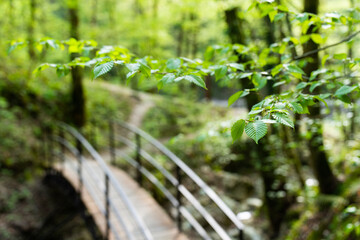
(31, 26)
(275, 206)
(77, 111)
(319, 162)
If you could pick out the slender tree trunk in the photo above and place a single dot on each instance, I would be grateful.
(275, 206)
(327, 182)
(77, 90)
(31, 27)
(352, 129)
(180, 37)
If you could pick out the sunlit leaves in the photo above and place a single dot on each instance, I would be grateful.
(237, 129)
(173, 64)
(259, 81)
(168, 78)
(102, 68)
(283, 119)
(256, 130)
(236, 96)
(220, 72)
(193, 79)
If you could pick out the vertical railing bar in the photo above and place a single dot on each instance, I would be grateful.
(178, 198)
(79, 170)
(93, 134)
(107, 204)
(241, 234)
(138, 159)
(112, 142)
(62, 150)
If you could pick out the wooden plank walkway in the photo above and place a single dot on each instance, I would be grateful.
(156, 219)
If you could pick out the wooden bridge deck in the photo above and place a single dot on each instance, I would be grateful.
(156, 219)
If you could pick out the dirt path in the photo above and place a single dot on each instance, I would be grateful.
(145, 101)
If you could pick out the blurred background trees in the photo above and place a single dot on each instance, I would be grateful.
(304, 172)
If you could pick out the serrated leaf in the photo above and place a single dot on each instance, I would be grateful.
(256, 130)
(297, 107)
(236, 96)
(283, 119)
(133, 67)
(220, 72)
(237, 129)
(237, 66)
(173, 64)
(344, 90)
(102, 68)
(196, 80)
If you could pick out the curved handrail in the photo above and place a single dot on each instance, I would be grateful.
(188, 171)
(143, 228)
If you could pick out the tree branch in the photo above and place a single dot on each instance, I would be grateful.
(326, 47)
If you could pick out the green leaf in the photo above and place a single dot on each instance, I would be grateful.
(317, 38)
(173, 64)
(344, 90)
(297, 107)
(237, 66)
(145, 69)
(129, 76)
(340, 56)
(133, 67)
(236, 96)
(196, 80)
(259, 81)
(256, 130)
(276, 70)
(237, 129)
(102, 68)
(295, 69)
(220, 72)
(301, 85)
(283, 119)
(279, 16)
(168, 78)
(272, 15)
(315, 85)
(245, 75)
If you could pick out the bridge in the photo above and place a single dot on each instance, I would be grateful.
(120, 205)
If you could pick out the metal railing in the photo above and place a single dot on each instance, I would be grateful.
(69, 147)
(176, 180)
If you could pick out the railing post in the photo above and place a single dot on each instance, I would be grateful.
(107, 207)
(241, 234)
(50, 148)
(138, 159)
(112, 142)
(79, 170)
(93, 134)
(178, 198)
(62, 148)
